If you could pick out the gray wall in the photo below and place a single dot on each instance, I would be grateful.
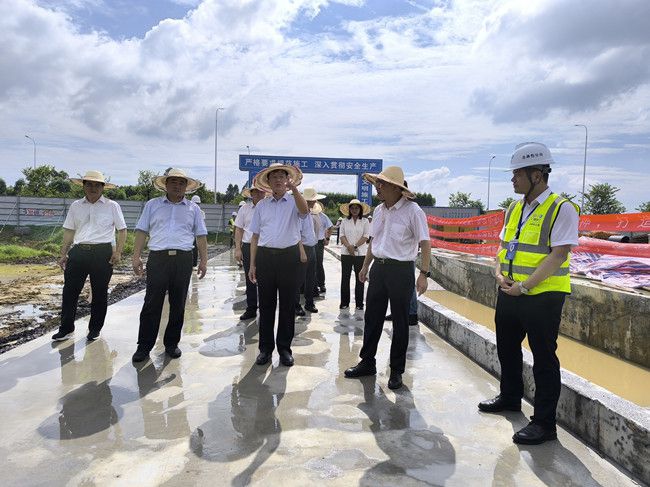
(23, 211)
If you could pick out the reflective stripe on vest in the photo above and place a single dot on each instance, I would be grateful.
(534, 245)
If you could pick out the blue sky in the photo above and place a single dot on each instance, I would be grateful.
(437, 87)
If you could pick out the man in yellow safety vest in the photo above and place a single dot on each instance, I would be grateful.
(532, 271)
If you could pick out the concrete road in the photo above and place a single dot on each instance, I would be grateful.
(77, 413)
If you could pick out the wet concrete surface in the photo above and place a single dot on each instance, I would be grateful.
(77, 413)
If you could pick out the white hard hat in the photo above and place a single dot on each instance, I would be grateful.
(242, 203)
(196, 199)
(234, 213)
(530, 154)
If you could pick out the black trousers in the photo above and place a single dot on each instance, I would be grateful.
(166, 274)
(83, 261)
(277, 272)
(320, 270)
(251, 289)
(347, 263)
(394, 283)
(537, 316)
(307, 277)
(195, 254)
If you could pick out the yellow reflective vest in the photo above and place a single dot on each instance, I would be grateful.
(534, 244)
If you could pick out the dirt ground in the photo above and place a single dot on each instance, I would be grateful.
(30, 297)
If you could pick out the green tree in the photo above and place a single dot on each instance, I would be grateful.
(567, 196)
(231, 192)
(115, 193)
(463, 200)
(601, 200)
(44, 181)
(425, 199)
(144, 190)
(18, 187)
(3, 187)
(643, 207)
(505, 204)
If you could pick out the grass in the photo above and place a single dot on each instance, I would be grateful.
(19, 253)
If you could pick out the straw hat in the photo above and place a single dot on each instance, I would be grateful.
(159, 182)
(393, 175)
(316, 209)
(310, 194)
(95, 176)
(345, 207)
(261, 181)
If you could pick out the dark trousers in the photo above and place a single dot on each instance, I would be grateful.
(307, 277)
(537, 316)
(251, 289)
(320, 270)
(195, 254)
(166, 274)
(347, 263)
(83, 261)
(394, 283)
(277, 272)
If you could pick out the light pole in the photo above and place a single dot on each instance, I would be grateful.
(249, 150)
(489, 171)
(216, 140)
(584, 169)
(34, 142)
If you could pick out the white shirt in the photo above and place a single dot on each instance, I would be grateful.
(94, 223)
(243, 221)
(307, 233)
(397, 231)
(171, 225)
(325, 223)
(277, 222)
(565, 228)
(353, 232)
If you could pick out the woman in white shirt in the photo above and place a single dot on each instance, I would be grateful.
(354, 231)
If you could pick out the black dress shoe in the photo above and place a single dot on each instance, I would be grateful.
(286, 358)
(388, 318)
(263, 358)
(311, 309)
(534, 434)
(344, 306)
(248, 314)
(173, 352)
(498, 404)
(395, 381)
(413, 320)
(59, 336)
(92, 336)
(359, 306)
(323, 290)
(140, 355)
(360, 370)
(300, 311)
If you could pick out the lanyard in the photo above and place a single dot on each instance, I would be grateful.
(515, 240)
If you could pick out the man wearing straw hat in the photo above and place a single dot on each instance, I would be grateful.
(172, 223)
(354, 231)
(89, 249)
(275, 257)
(243, 237)
(398, 226)
(322, 227)
(307, 269)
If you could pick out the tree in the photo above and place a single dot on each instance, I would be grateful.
(45, 181)
(144, 190)
(231, 191)
(18, 186)
(3, 187)
(115, 194)
(643, 207)
(462, 200)
(567, 196)
(425, 199)
(505, 204)
(601, 200)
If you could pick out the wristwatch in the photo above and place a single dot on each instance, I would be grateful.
(524, 290)
(427, 273)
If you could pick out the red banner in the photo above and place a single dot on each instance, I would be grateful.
(627, 222)
(489, 220)
(597, 246)
(488, 234)
(489, 250)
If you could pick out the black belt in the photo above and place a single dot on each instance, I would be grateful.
(394, 262)
(274, 251)
(171, 252)
(91, 247)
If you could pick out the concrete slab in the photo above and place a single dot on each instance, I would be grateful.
(76, 413)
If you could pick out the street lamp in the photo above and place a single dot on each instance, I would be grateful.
(584, 169)
(489, 171)
(34, 142)
(249, 150)
(216, 139)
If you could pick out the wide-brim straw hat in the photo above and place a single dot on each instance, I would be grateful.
(345, 207)
(393, 175)
(246, 192)
(310, 194)
(94, 176)
(316, 209)
(261, 181)
(159, 182)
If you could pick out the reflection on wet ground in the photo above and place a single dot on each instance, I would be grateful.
(78, 413)
(616, 375)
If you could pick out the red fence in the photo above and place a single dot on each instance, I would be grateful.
(486, 228)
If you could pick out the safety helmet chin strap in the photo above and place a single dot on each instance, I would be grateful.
(529, 171)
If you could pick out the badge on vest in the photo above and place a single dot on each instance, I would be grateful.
(512, 249)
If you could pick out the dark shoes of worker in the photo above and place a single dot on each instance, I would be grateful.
(359, 307)
(344, 306)
(140, 355)
(92, 335)
(498, 404)
(413, 320)
(300, 311)
(248, 315)
(263, 358)
(286, 358)
(388, 318)
(395, 381)
(323, 290)
(60, 335)
(173, 352)
(311, 308)
(360, 370)
(534, 434)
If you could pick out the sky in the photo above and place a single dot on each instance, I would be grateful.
(437, 87)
